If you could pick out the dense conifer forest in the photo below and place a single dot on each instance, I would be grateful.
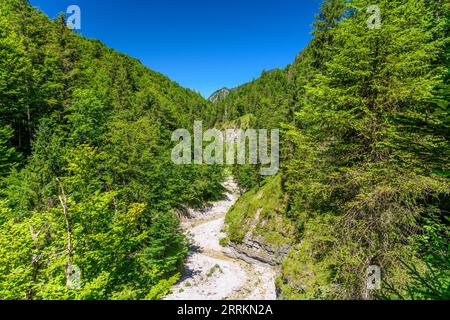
(86, 176)
(84, 131)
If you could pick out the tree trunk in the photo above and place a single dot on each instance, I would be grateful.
(63, 200)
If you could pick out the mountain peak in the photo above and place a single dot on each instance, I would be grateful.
(219, 95)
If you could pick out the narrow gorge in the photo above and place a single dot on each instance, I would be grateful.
(214, 272)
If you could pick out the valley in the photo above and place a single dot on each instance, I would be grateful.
(212, 272)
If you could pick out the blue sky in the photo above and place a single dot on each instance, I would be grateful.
(202, 44)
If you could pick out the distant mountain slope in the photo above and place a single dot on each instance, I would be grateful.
(265, 98)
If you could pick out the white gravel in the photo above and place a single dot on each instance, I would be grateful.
(210, 272)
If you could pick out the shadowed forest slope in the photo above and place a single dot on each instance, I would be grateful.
(87, 177)
(89, 195)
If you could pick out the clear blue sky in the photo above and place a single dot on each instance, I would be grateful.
(202, 44)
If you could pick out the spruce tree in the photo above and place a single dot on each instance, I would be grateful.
(361, 161)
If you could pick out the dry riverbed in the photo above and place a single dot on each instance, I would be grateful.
(211, 272)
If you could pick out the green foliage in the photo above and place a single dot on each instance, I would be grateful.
(365, 149)
(9, 157)
(260, 213)
(94, 127)
(86, 176)
(430, 281)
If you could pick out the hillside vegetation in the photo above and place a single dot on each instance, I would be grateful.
(365, 154)
(90, 199)
(87, 178)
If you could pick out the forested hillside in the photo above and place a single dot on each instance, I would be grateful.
(365, 155)
(86, 173)
(88, 188)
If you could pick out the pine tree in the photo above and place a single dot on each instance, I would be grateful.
(14, 66)
(362, 160)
